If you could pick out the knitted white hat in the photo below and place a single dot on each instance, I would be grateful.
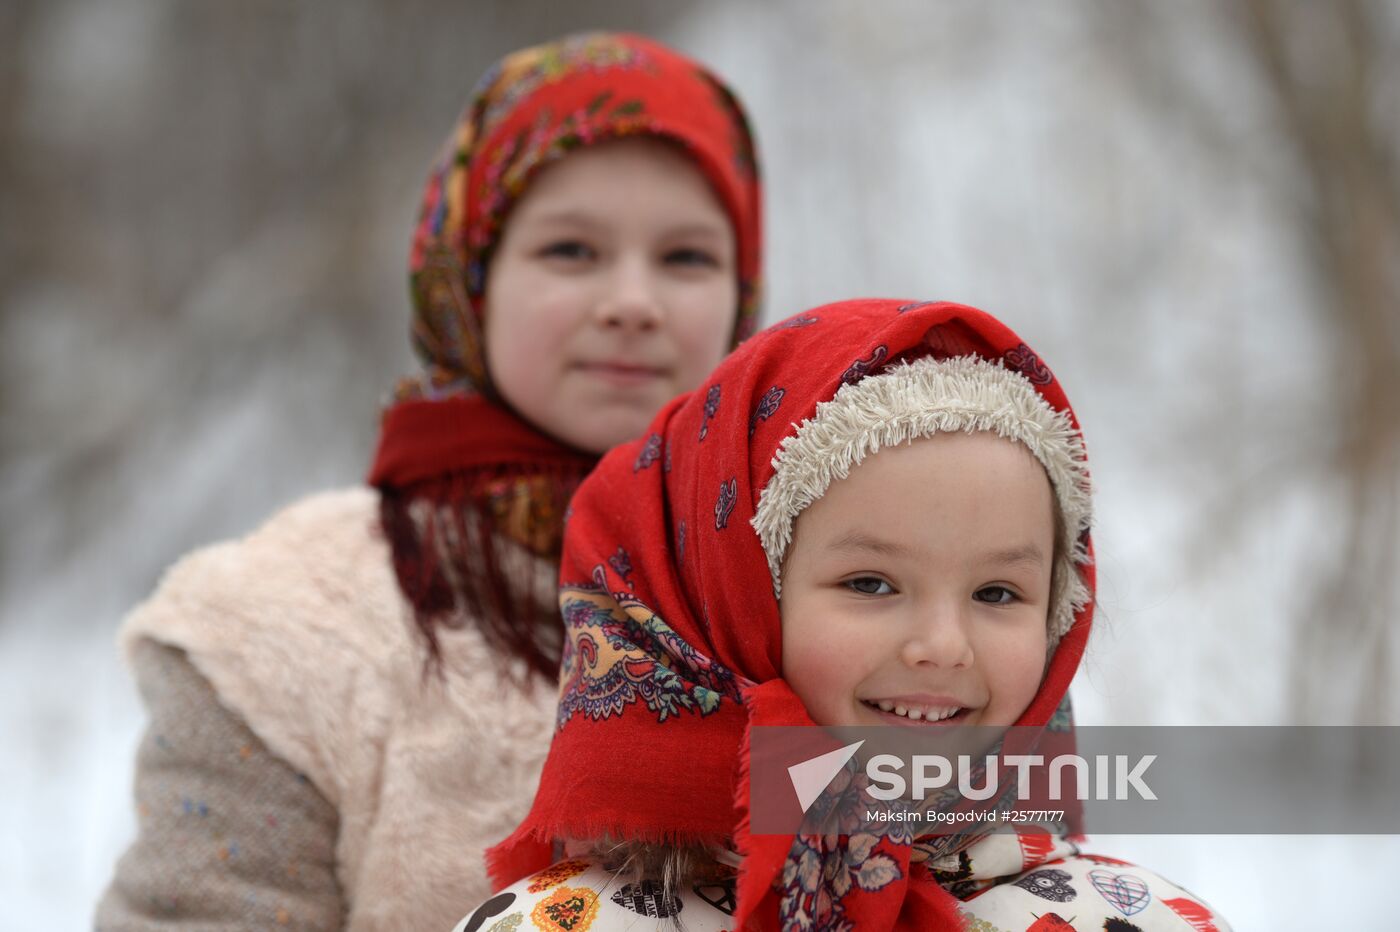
(919, 399)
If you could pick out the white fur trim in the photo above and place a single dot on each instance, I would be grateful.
(919, 399)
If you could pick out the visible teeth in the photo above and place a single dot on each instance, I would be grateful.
(915, 714)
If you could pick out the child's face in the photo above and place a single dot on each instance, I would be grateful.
(921, 582)
(612, 290)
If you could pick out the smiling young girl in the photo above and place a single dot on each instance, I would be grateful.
(349, 704)
(872, 513)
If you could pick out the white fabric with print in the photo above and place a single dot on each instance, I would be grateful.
(578, 895)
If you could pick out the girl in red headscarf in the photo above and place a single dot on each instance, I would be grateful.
(349, 704)
(874, 513)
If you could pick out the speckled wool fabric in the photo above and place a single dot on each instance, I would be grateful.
(423, 773)
(227, 827)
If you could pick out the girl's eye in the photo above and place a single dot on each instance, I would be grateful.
(691, 257)
(995, 595)
(569, 249)
(869, 585)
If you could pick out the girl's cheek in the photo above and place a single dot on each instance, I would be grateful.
(549, 317)
(701, 350)
(809, 672)
(825, 661)
(815, 658)
(1015, 667)
(704, 313)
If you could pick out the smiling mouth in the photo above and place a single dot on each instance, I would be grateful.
(931, 715)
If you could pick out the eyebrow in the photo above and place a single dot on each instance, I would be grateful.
(567, 216)
(1027, 554)
(857, 542)
(583, 218)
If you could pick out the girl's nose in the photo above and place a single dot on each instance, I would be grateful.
(939, 638)
(630, 300)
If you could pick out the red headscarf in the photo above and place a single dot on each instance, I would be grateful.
(456, 468)
(674, 637)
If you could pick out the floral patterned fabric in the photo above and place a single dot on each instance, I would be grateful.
(673, 634)
(531, 109)
(577, 894)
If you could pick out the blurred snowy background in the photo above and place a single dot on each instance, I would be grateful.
(1192, 210)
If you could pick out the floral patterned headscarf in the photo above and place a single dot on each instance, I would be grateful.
(671, 568)
(532, 109)
(459, 473)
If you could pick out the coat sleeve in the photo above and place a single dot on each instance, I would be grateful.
(230, 836)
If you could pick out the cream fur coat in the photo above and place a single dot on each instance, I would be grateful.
(301, 631)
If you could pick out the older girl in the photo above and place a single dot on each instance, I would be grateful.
(349, 704)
